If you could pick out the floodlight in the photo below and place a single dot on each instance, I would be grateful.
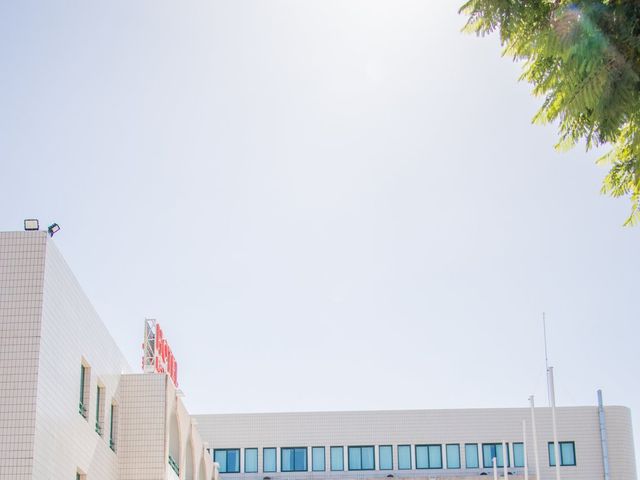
(53, 228)
(31, 224)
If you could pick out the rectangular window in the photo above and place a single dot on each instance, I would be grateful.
(385, 457)
(337, 459)
(471, 455)
(453, 455)
(567, 454)
(518, 454)
(269, 460)
(250, 460)
(228, 459)
(491, 451)
(428, 456)
(113, 423)
(362, 458)
(85, 376)
(100, 410)
(317, 459)
(293, 459)
(404, 457)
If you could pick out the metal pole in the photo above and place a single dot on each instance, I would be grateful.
(552, 396)
(495, 469)
(524, 448)
(603, 437)
(535, 437)
(505, 460)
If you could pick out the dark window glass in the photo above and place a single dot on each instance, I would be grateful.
(404, 457)
(228, 459)
(250, 460)
(567, 454)
(518, 454)
(453, 455)
(337, 459)
(268, 459)
(471, 455)
(491, 451)
(428, 456)
(317, 459)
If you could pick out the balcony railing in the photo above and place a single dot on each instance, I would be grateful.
(174, 465)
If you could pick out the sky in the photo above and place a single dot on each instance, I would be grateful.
(328, 205)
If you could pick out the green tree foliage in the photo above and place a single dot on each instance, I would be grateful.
(583, 57)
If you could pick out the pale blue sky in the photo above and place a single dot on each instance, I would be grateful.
(328, 205)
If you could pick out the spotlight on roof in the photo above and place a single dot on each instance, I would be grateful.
(31, 224)
(53, 228)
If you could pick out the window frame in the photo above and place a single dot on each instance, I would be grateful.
(306, 459)
(246, 450)
(428, 445)
(313, 460)
(226, 462)
(275, 459)
(466, 461)
(497, 444)
(390, 447)
(515, 459)
(408, 447)
(360, 447)
(550, 448)
(446, 449)
(331, 450)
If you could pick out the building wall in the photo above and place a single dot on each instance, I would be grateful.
(72, 333)
(22, 265)
(578, 424)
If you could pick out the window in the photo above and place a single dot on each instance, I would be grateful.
(385, 456)
(453, 455)
(269, 460)
(84, 390)
(228, 459)
(518, 454)
(113, 424)
(404, 457)
(362, 458)
(337, 459)
(491, 451)
(471, 455)
(567, 454)
(317, 459)
(293, 459)
(100, 410)
(428, 456)
(250, 460)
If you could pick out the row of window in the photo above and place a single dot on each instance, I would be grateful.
(294, 459)
(85, 379)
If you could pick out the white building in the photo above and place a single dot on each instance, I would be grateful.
(70, 405)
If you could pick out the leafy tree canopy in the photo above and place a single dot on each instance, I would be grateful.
(583, 57)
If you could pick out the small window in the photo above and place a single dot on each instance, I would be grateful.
(228, 459)
(362, 458)
(428, 456)
(250, 460)
(113, 426)
(471, 455)
(269, 460)
(491, 451)
(85, 376)
(100, 410)
(453, 455)
(293, 459)
(404, 457)
(518, 454)
(317, 459)
(385, 456)
(567, 454)
(337, 459)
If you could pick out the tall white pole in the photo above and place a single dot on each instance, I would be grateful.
(552, 396)
(535, 437)
(495, 469)
(505, 460)
(524, 448)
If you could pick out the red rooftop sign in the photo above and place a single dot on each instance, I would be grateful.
(157, 354)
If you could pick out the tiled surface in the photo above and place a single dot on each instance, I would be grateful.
(72, 333)
(22, 258)
(579, 424)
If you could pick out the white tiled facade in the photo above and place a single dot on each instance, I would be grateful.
(48, 330)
